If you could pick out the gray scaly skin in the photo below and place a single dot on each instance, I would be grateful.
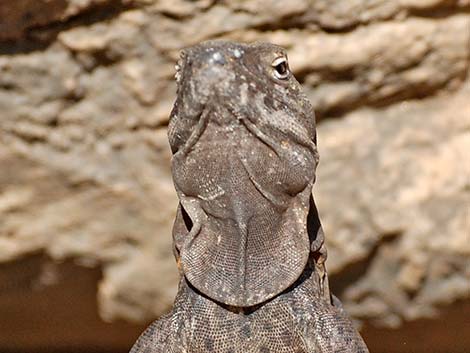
(247, 237)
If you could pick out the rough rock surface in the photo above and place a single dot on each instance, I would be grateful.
(85, 91)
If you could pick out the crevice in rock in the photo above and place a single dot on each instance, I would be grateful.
(175, 16)
(287, 23)
(353, 272)
(308, 21)
(410, 93)
(347, 74)
(38, 38)
(441, 12)
(91, 60)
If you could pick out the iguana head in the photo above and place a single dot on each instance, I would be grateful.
(239, 81)
(244, 157)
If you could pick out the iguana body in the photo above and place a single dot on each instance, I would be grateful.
(247, 236)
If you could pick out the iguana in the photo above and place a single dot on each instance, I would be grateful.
(247, 236)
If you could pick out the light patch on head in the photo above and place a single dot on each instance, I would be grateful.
(178, 67)
(218, 58)
(237, 53)
(244, 93)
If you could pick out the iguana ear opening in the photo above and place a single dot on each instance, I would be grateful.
(186, 219)
(182, 227)
(180, 230)
(314, 229)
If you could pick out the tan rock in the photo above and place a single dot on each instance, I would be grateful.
(85, 185)
(394, 183)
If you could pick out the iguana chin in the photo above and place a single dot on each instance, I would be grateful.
(247, 236)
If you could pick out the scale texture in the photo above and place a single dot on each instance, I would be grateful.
(247, 236)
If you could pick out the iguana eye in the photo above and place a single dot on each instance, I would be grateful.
(281, 68)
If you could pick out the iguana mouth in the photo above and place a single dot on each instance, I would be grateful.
(202, 122)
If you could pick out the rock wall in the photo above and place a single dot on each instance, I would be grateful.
(85, 91)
